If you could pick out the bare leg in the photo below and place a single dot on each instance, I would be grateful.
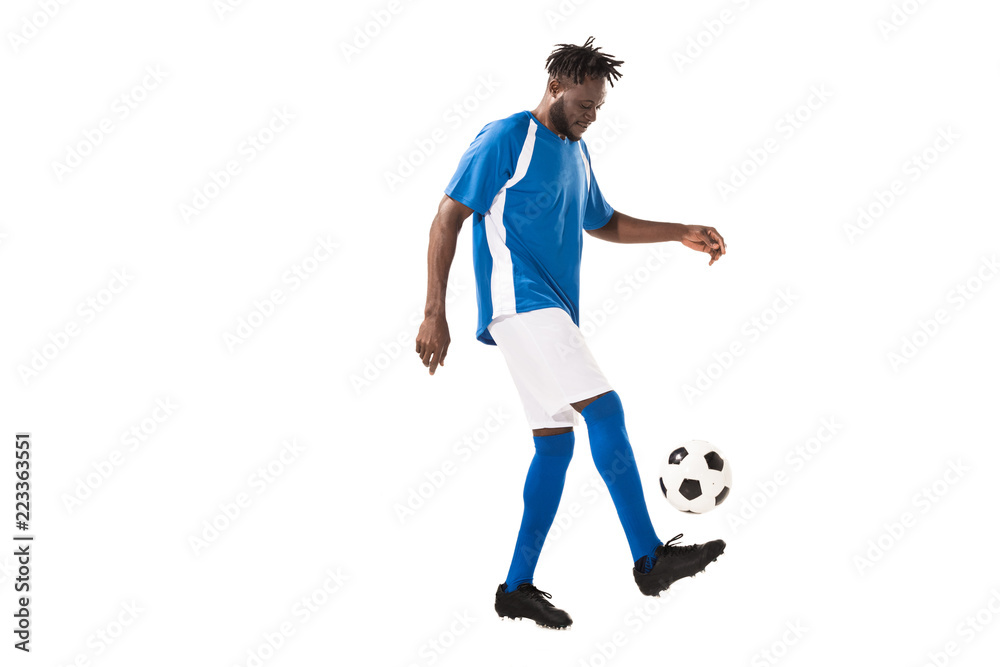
(580, 405)
(551, 431)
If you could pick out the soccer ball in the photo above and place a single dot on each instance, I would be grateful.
(695, 477)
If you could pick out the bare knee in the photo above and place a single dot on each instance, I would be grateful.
(551, 431)
(580, 405)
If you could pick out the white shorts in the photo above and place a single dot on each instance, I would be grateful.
(550, 363)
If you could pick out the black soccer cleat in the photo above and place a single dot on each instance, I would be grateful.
(526, 601)
(675, 562)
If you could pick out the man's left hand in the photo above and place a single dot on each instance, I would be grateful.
(704, 239)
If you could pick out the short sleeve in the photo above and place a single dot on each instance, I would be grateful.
(598, 211)
(486, 166)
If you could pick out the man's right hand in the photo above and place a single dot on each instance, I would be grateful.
(433, 338)
(432, 341)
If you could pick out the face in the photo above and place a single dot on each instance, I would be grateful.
(577, 108)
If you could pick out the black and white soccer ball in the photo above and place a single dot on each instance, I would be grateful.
(695, 477)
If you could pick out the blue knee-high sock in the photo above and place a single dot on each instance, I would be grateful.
(613, 457)
(542, 490)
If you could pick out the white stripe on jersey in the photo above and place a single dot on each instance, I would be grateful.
(586, 164)
(502, 278)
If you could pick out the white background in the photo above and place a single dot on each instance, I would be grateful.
(826, 551)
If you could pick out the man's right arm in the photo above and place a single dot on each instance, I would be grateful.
(433, 338)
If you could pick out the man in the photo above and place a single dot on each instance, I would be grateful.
(528, 183)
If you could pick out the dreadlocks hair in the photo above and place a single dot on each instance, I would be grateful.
(578, 62)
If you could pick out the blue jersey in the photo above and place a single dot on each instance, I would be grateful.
(532, 193)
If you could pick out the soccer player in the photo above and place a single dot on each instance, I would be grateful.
(527, 181)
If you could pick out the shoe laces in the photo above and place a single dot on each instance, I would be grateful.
(534, 593)
(676, 548)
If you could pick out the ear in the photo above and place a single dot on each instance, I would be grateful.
(554, 88)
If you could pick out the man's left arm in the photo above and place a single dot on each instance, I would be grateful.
(623, 228)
